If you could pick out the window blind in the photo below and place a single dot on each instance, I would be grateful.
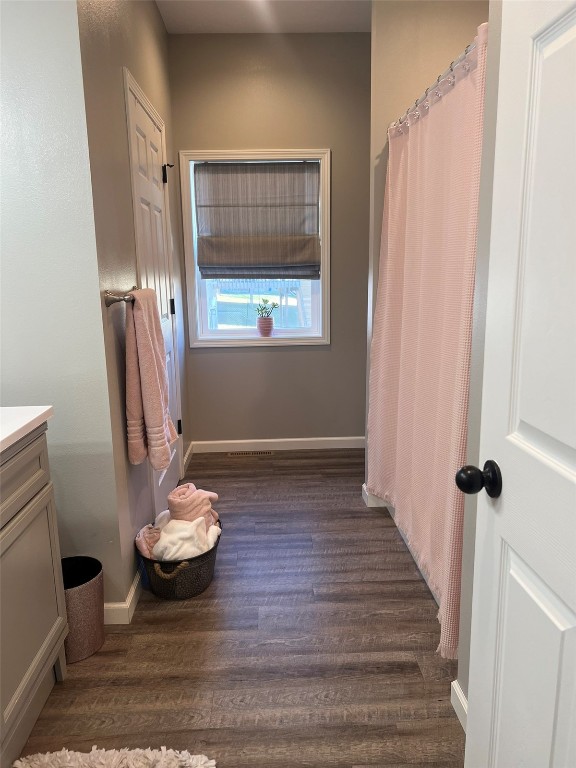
(258, 220)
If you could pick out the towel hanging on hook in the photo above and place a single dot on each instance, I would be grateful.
(113, 297)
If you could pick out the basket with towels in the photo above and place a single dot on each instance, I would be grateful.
(179, 551)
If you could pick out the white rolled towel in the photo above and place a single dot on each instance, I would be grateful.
(181, 539)
(213, 532)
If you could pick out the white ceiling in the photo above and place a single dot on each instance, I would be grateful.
(197, 16)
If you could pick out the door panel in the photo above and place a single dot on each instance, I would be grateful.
(522, 694)
(546, 323)
(146, 131)
(536, 632)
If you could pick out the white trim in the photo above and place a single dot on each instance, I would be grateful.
(182, 458)
(255, 154)
(261, 341)
(282, 444)
(121, 613)
(299, 338)
(459, 703)
(130, 84)
(187, 457)
(370, 500)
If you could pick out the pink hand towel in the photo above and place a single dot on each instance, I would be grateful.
(186, 502)
(150, 428)
(146, 539)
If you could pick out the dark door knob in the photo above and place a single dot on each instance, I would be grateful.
(471, 479)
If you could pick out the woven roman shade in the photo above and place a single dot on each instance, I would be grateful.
(258, 220)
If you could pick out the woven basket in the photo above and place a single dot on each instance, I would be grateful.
(181, 579)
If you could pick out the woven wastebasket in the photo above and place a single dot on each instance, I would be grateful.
(181, 579)
(84, 592)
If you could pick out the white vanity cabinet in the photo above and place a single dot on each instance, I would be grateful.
(32, 606)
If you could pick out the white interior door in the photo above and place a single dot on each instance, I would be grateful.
(522, 694)
(153, 250)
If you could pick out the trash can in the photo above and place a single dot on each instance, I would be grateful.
(84, 592)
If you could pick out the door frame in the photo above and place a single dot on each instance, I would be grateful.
(459, 687)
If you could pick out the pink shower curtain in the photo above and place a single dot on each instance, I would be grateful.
(420, 353)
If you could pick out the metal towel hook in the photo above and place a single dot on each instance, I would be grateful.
(113, 297)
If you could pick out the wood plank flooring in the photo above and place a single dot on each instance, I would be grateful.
(314, 645)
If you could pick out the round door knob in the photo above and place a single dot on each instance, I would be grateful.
(471, 479)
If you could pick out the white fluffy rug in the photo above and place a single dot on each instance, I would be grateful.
(116, 758)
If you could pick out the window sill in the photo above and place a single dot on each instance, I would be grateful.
(260, 341)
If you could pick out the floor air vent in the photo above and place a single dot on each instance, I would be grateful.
(250, 453)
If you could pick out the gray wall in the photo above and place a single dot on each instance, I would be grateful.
(68, 234)
(52, 341)
(116, 34)
(412, 43)
(283, 92)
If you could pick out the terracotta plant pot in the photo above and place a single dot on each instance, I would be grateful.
(265, 325)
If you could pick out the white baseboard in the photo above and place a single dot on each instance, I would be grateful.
(187, 457)
(121, 613)
(281, 444)
(459, 703)
(370, 500)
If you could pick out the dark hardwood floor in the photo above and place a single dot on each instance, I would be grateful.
(313, 646)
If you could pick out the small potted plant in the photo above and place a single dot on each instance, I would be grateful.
(265, 321)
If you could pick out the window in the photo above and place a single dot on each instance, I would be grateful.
(256, 226)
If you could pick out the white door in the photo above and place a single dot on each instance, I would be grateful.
(522, 694)
(153, 251)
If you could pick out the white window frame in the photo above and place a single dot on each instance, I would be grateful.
(250, 337)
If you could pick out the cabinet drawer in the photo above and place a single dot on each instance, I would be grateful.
(21, 477)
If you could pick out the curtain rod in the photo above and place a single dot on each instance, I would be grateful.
(458, 60)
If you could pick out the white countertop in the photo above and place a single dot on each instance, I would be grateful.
(19, 421)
